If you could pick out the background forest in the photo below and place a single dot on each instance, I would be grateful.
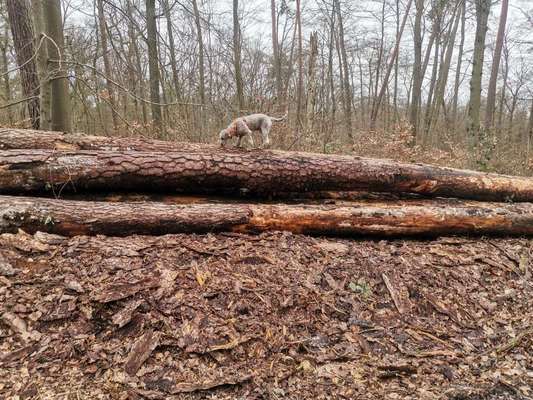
(441, 81)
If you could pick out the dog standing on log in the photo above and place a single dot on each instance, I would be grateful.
(243, 126)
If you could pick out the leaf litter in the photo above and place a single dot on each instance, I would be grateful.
(265, 317)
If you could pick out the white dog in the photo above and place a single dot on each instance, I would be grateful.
(243, 126)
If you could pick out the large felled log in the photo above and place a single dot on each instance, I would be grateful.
(399, 218)
(234, 172)
(32, 139)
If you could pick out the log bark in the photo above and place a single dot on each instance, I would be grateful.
(33, 139)
(235, 172)
(426, 218)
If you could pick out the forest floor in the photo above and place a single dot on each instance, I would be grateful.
(275, 316)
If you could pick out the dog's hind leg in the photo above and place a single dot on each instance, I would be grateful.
(251, 139)
(265, 131)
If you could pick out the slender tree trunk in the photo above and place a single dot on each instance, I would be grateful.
(134, 45)
(438, 99)
(172, 50)
(347, 91)
(377, 105)
(276, 51)
(23, 40)
(397, 63)
(42, 65)
(59, 87)
(153, 63)
(5, 75)
(311, 82)
(459, 64)
(482, 16)
(331, 78)
(491, 93)
(504, 88)
(434, 73)
(530, 128)
(361, 90)
(428, 53)
(199, 34)
(380, 54)
(300, 89)
(237, 55)
(417, 68)
(107, 63)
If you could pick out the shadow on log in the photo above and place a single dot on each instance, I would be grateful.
(253, 173)
(400, 218)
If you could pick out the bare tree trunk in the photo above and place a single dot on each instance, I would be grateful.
(107, 63)
(300, 89)
(5, 74)
(433, 80)
(172, 50)
(417, 68)
(377, 105)
(153, 63)
(23, 40)
(331, 78)
(459, 64)
(482, 16)
(199, 32)
(133, 43)
(504, 87)
(42, 65)
(60, 93)
(397, 63)
(311, 82)
(347, 91)
(276, 51)
(381, 50)
(237, 54)
(530, 128)
(438, 99)
(491, 93)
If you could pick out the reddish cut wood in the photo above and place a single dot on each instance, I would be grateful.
(258, 173)
(387, 219)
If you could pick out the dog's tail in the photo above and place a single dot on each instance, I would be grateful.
(281, 118)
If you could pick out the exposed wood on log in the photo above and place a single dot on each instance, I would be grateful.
(261, 173)
(413, 217)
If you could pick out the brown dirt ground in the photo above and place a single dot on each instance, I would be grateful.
(276, 316)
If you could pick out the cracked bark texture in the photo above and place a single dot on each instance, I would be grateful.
(254, 173)
(426, 218)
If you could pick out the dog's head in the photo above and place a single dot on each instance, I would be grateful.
(223, 137)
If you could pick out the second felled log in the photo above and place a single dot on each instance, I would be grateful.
(257, 173)
(387, 219)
